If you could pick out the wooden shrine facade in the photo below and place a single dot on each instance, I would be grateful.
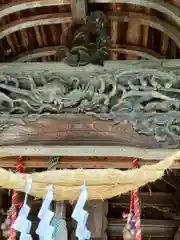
(89, 110)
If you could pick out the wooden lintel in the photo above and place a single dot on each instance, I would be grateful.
(77, 135)
(73, 130)
(153, 228)
(78, 162)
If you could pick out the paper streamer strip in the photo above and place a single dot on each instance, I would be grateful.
(44, 229)
(81, 216)
(137, 208)
(22, 224)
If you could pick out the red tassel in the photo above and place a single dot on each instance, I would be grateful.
(135, 197)
(19, 168)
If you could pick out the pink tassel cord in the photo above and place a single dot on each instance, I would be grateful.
(135, 196)
(135, 218)
(15, 204)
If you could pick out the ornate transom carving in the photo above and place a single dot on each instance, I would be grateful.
(149, 98)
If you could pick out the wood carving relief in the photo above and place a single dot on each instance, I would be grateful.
(148, 98)
(129, 104)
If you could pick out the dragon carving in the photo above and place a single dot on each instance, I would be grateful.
(148, 98)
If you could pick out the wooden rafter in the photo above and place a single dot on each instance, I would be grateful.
(136, 50)
(125, 49)
(59, 18)
(39, 20)
(159, 5)
(150, 21)
(20, 5)
(78, 162)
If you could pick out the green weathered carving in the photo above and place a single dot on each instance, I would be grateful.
(85, 42)
(149, 98)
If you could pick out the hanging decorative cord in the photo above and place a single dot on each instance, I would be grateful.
(53, 161)
(15, 204)
(133, 226)
(135, 199)
(22, 223)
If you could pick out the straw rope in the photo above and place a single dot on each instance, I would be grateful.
(102, 183)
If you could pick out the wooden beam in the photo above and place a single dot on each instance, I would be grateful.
(12, 7)
(79, 162)
(159, 5)
(125, 49)
(164, 205)
(44, 19)
(99, 151)
(160, 200)
(137, 51)
(78, 9)
(74, 130)
(153, 228)
(43, 136)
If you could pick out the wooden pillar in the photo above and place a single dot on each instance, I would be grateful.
(78, 9)
(97, 220)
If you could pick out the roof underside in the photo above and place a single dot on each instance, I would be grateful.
(31, 29)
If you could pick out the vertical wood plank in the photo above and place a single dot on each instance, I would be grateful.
(173, 52)
(97, 221)
(114, 33)
(133, 32)
(164, 44)
(78, 9)
(145, 31)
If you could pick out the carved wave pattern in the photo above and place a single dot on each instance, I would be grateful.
(149, 98)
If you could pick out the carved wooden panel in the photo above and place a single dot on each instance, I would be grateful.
(134, 104)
